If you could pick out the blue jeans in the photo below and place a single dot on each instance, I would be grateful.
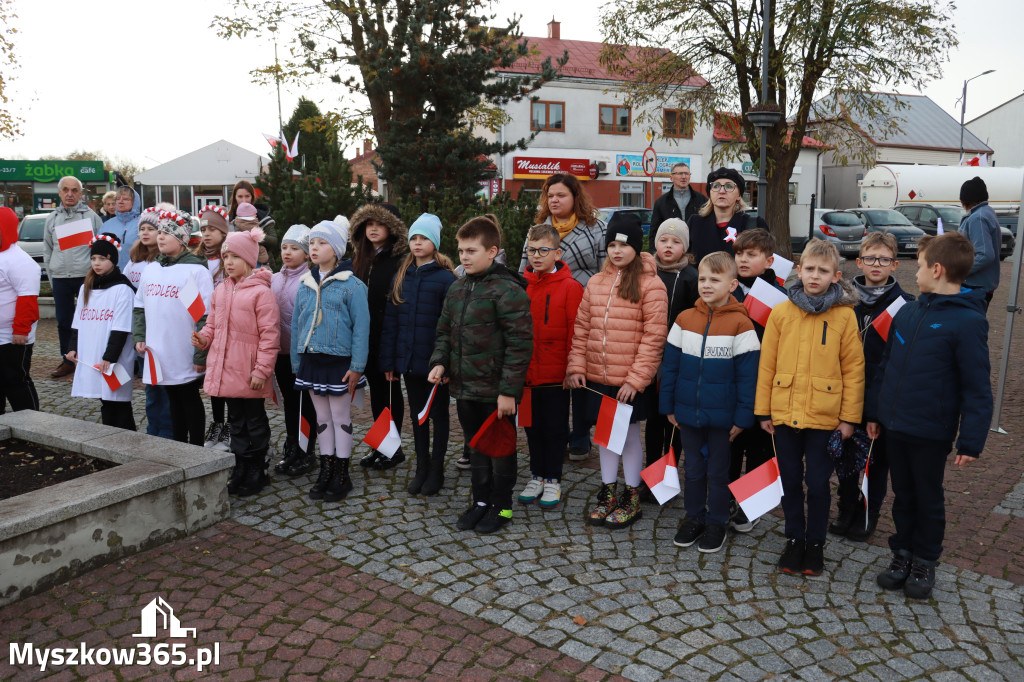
(65, 289)
(706, 480)
(795, 448)
(158, 413)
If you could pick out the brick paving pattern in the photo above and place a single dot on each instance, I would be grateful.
(625, 602)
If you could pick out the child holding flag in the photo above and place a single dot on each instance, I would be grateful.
(809, 384)
(163, 321)
(242, 340)
(101, 344)
(707, 389)
(330, 342)
(554, 299)
(483, 346)
(616, 351)
(755, 255)
(299, 415)
(407, 341)
(935, 385)
(879, 291)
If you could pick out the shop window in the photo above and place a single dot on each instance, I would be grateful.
(614, 120)
(631, 194)
(185, 198)
(792, 193)
(547, 116)
(149, 196)
(678, 123)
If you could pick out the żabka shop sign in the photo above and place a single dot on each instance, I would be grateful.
(533, 167)
(51, 171)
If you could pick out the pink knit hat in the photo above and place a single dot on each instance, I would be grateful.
(245, 245)
(246, 210)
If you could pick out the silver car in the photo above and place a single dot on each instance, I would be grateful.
(30, 236)
(844, 229)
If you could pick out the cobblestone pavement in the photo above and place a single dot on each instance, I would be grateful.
(626, 602)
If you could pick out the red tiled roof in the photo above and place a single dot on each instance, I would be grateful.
(729, 128)
(584, 60)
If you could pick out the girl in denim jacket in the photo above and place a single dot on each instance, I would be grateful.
(329, 345)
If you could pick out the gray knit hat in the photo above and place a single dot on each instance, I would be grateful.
(333, 233)
(297, 235)
(178, 224)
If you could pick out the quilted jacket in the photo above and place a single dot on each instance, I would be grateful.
(554, 299)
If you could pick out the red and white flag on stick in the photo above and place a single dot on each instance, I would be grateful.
(662, 477)
(524, 415)
(612, 424)
(75, 233)
(383, 435)
(192, 300)
(424, 414)
(782, 267)
(759, 491)
(760, 300)
(116, 376)
(152, 369)
(303, 428)
(883, 322)
(864, 483)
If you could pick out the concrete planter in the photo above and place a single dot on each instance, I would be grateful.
(162, 491)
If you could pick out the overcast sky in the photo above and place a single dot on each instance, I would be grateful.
(151, 81)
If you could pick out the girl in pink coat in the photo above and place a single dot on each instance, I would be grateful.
(242, 334)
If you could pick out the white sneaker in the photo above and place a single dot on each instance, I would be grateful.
(532, 490)
(552, 496)
(224, 442)
(213, 434)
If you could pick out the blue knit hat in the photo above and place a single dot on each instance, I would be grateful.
(429, 226)
(334, 233)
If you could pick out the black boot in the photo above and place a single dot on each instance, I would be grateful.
(435, 475)
(255, 477)
(287, 457)
(422, 468)
(302, 463)
(237, 474)
(847, 512)
(858, 532)
(326, 469)
(383, 464)
(340, 484)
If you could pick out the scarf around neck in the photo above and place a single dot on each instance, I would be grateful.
(869, 295)
(566, 227)
(815, 304)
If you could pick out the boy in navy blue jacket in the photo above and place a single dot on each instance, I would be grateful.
(935, 383)
(755, 254)
(878, 289)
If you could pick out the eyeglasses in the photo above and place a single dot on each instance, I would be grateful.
(723, 187)
(684, 174)
(540, 250)
(884, 261)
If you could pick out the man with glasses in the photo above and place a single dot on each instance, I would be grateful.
(682, 202)
(66, 268)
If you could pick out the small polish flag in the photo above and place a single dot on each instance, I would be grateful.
(759, 491)
(760, 300)
(939, 229)
(612, 423)
(864, 490)
(424, 414)
(190, 298)
(275, 395)
(383, 435)
(116, 376)
(76, 233)
(152, 368)
(303, 428)
(662, 477)
(883, 322)
(524, 415)
(782, 267)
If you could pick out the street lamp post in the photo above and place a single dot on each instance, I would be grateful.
(963, 107)
(765, 118)
(277, 81)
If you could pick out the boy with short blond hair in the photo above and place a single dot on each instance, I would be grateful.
(483, 346)
(554, 299)
(878, 289)
(707, 388)
(810, 383)
(934, 386)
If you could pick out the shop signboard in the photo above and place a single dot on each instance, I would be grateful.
(536, 167)
(632, 165)
(52, 171)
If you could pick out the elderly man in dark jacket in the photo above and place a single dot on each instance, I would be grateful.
(682, 202)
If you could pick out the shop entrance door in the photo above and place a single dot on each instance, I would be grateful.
(204, 199)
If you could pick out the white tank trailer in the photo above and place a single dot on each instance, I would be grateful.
(888, 185)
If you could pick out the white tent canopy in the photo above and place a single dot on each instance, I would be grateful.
(220, 163)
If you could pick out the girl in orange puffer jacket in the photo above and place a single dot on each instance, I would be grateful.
(616, 351)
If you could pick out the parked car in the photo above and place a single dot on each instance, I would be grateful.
(844, 229)
(926, 217)
(30, 236)
(606, 213)
(893, 222)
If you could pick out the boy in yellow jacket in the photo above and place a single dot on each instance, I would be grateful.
(810, 383)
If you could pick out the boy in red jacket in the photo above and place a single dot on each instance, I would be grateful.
(554, 298)
(19, 312)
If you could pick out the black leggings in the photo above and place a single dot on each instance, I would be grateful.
(419, 390)
(117, 413)
(250, 428)
(188, 416)
(291, 399)
(15, 383)
(217, 405)
(548, 436)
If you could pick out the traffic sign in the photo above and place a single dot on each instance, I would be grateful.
(650, 162)
(650, 136)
